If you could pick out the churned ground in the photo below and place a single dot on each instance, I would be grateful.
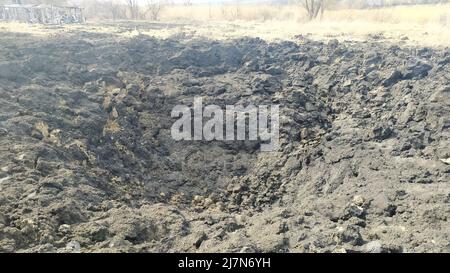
(87, 162)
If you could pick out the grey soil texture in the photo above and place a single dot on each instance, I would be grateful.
(87, 162)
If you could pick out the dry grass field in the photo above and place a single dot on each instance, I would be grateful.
(426, 25)
(416, 14)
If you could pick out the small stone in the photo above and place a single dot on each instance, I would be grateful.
(119, 242)
(208, 202)
(381, 132)
(231, 225)
(340, 250)
(90, 87)
(393, 78)
(247, 249)
(200, 238)
(446, 161)
(305, 133)
(3, 219)
(308, 213)
(274, 70)
(309, 107)
(240, 219)
(349, 234)
(133, 89)
(358, 200)
(302, 236)
(333, 43)
(198, 199)
(7, 245)
(3, 132)
(353, 210)
(373, 247)
(347, 83)
(114, 114)
(220, 205)
(46, 248)
(37, 134)
(391, 210)
(357, 222)
(107, 104)
(65, 228)
(97, 233)
(237, 189)
(282, 228)
(74, 247)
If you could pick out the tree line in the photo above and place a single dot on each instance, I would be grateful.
(151, 9)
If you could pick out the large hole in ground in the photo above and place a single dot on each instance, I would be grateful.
(87, 152)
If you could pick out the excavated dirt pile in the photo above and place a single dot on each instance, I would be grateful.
(87, 161)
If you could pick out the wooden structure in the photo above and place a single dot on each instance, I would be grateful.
(43, 14)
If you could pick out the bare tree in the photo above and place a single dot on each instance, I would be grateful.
(154, 8)
(49, 2)
(134, 8)
(116, 10)
(313, 7)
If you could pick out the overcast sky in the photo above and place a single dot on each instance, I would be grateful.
(200, 1)
(222, 1)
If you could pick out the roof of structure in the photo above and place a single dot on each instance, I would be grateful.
(37, 6)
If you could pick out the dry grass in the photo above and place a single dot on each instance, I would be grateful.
(233, 12)
(427, 25)
(421, 24)
(420, 14)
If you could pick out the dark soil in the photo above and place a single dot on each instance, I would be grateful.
(87, 162)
